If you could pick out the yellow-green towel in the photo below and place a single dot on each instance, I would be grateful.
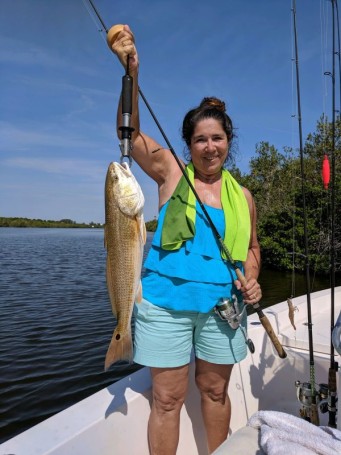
(179, 223)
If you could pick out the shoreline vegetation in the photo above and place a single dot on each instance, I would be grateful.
(64, 223)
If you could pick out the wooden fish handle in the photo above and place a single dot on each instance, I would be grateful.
(113, 33)
(264, 320)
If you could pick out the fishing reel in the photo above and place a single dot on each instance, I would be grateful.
(228, 310)
(307, 397)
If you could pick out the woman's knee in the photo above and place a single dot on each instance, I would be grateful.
(213, 391)
(169, 389)
(212, 381)
(165, 402)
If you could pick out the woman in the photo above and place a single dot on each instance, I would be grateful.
(186, 275)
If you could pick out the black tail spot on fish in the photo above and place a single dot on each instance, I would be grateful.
(118, 337)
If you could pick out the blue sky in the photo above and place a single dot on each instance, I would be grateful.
(60, 85)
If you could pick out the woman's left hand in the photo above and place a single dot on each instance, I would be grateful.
(124, 46)
(251, 291)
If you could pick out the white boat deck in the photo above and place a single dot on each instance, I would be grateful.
(321, 314)
(268, 382)
(114, 420)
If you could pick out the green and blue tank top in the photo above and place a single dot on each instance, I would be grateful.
(194, 276)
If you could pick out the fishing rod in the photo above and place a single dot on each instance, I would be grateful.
(332, 388)
(127, 91)
(308, 391)
(111, 36)
(338, 53)
(334, 342)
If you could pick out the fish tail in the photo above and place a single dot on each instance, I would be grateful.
(120, 348)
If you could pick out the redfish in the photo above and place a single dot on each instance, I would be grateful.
(124, 239)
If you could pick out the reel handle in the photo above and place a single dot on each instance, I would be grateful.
(112, 34)
(264, 320)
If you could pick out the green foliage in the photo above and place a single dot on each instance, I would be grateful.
(64, 223)
(151, 225)
(276, 182)
(26, 222)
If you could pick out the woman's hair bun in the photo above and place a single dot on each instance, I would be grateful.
(213, 103)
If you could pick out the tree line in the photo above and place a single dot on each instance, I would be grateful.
(64, 223)
(276, 182)
(27, 222)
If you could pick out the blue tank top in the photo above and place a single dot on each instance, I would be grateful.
(194, 277)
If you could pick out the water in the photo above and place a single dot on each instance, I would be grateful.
(56, 321)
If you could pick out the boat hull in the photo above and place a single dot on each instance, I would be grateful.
(115, 419)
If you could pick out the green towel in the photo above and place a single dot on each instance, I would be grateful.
(179, 222)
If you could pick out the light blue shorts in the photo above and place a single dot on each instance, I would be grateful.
(165, 338)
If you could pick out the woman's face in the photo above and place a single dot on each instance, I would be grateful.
(209, 147)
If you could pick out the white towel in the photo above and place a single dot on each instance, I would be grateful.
(284, 434)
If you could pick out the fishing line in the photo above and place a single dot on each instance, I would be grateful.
(324, 39)
(313, 417)
(332, 388)
(324, 237)
(262, 317)
(293, 167)
(90, 11)
(98, 16)
(320, 249)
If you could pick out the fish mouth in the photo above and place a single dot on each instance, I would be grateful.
(120, 167)
(127, 192)
(125, 166)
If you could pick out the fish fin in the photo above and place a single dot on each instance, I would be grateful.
(120, 348)
(138, 297)
(110, 288)
(142, 228)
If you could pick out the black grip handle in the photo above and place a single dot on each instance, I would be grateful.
(127, 94)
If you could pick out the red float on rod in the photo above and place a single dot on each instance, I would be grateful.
(325, 172)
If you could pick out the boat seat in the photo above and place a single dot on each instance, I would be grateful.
(245, 441)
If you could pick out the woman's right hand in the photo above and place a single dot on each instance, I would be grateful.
(123, 46)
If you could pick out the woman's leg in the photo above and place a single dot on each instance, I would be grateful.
(212, 381)
(169, 391)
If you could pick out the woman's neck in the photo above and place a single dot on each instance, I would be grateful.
(207, 178)
(208, 188)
